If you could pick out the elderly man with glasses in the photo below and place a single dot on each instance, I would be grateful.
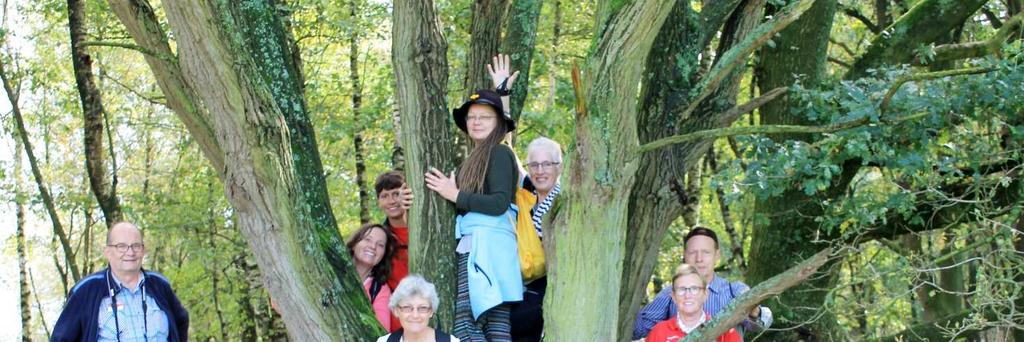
(122, 302)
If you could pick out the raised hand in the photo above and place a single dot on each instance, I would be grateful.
(500, 70)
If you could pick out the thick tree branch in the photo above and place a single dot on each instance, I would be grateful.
(737, 55)
(737, 310)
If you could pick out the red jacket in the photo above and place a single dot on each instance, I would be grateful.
(669, 331)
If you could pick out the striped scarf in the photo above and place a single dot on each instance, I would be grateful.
(542, 208)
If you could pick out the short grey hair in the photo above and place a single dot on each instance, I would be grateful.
(414, 285)
(548, 145)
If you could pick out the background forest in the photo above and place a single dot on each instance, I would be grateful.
(862, 158)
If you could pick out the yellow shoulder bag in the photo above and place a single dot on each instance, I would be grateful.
(531, 252)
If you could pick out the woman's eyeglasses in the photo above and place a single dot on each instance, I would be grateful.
(418, 309)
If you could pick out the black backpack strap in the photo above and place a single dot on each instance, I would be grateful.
(440, 336)
(395, 336)
(375, 287)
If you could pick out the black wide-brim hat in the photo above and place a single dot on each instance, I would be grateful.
(484, 97)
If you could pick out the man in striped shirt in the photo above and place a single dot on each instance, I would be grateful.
(701, 252)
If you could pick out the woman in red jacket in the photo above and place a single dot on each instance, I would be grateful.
(689, 291)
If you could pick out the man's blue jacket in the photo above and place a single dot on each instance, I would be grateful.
(79, 320)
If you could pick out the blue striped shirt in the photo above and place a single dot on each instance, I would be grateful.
(720, 293)
(130, 316)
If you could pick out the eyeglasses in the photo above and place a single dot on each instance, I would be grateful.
(479, 118)
(123, 247)
(419, 309)
(543, 165)
(680, 291)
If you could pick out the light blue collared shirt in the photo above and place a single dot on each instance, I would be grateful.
(135, 325)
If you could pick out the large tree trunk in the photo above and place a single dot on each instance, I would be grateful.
(93, 117)
(237, 59)
(783, 238)
(592, 245)
(421, 69)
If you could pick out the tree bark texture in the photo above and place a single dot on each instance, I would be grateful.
(784, 238)
(92, 113)
(44, 191)
(925, 23)
(520, 40)
(357, 105)
(485, 38)
(237, 58)
(592, 245)
(418, 54)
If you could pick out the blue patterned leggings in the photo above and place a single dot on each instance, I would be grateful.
(493, 325)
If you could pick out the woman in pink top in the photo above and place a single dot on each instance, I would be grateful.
(371, 248)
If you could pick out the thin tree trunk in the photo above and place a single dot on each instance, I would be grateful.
(1018, 245)
(19, 200)
(485, 37)
(357, 120)
(39, 304)
(214, 272)
(418, 53)
(520, 40)
(44, 191)
(556, 35)
(92, 109)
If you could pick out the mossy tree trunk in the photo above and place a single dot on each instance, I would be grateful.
(418, 54)
(238, 90)
(591, 247)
